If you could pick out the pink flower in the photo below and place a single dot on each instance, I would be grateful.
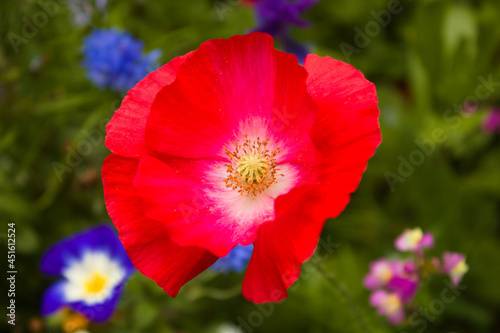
(395, 275)
(388, 304)
(492, 121)
(404, 287)
(381, 272)
(414, 240)
(454, 265)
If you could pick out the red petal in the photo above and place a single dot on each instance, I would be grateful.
(229, 88)
(346, 133)
(284, 244)
(125, 131)
(192, 211)
(147, 241)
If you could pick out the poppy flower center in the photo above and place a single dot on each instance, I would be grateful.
(253, 167)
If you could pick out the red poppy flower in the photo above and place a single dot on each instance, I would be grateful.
(236, 143)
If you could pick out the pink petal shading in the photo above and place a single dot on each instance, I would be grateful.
(427, 241)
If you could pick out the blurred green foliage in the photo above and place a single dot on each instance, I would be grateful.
(426, 61)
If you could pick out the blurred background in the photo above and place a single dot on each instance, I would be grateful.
(435, 64)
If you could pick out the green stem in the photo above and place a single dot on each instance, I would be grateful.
(342, 291)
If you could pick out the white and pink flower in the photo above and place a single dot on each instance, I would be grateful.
(455, 266)
(414, 240)
(388, 304)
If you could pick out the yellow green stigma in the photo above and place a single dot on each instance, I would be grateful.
(252, 168)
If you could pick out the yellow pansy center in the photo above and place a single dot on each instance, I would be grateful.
(253, 167)
(95, 283)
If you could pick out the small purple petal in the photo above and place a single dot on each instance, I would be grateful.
(402, 242)
(371, 282)
(377, 298)
(236, 261)
(469, 108)
(454, 265)
(450, 260)
(102, 311)
(101, 238)
(427, 241)
(380, 273)
(404, 288)
(276, 17)
(294, 47)
(492, 121)
(409, 268)
(53, 298)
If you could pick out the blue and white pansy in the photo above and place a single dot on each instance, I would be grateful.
(94, 267)
(236, 261)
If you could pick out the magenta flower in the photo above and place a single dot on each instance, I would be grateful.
(394, 275)
(492, 121)
(404, 287)
(381, 272)
(395, 282)
(414, 240)
(389, 305)
(454, 265)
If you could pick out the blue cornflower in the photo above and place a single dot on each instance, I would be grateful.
(94, 267)
(115, 59)
(236, 261)
(277, 16)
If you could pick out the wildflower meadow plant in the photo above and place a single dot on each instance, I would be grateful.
(236, 261)
(94, 268)
(83, 10)
(210, 153)
(276, 17)
(395, 282)
(115, 60)
(491, 123)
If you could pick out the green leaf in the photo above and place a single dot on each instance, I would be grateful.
(459, 26)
